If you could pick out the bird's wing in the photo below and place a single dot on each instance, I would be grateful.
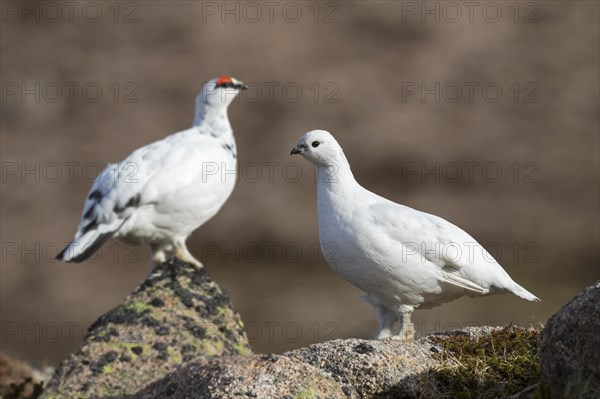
(454, 278)
(428, 234)
(98, 208)
(462, 260)
(178, 163)
(151, 173)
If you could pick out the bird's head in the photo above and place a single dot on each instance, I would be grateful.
(320, 148)
(220, 91)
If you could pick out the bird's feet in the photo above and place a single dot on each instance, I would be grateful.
(195, 263)
(384, 333)
(182, 253)
(406, 333)
(159, 258)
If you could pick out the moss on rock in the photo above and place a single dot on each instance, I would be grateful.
(501, 363)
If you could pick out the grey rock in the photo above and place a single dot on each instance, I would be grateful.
(258, 376)
(389, 368)
(177, 315)
(570, 347)
(349, 368)
(365, 368)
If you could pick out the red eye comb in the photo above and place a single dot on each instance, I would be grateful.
(223, 80)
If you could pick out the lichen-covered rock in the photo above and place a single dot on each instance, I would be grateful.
(570, 347)
(258, 376)
(176, 315)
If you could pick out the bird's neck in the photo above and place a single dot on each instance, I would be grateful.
(212, 119)
(336, 179)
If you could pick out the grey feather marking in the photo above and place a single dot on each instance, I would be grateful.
(95, 195)
(132, 202)
(229, 147)
(89, 212)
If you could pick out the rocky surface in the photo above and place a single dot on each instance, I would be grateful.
(570, 347)
(392, 368)
(176, 315)
(451, 364)
(258, 376)
(369, 368)
(177, 336)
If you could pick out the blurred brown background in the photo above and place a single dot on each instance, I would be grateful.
(354, 68)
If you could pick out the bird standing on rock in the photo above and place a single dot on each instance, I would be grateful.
(165, 190)
(401, 258)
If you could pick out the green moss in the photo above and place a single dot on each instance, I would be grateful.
(223, 311)
(500, 364)
(174, 356)
(306, 392)
(108, 369)
(242, 349)
(139, 307)
(126, 347)
(212, 348)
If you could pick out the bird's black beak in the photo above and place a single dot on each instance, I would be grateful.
(296, 150)
(240, 86)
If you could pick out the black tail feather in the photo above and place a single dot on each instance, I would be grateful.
(89, 251)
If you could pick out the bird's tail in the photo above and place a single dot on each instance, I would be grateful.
(523, 293)
(81, 248)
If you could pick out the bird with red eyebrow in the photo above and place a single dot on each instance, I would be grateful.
(165, 190)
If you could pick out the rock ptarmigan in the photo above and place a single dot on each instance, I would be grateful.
(165, 190)
(401, 258)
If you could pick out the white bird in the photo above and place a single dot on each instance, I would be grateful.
(401, 258)
(165, 190)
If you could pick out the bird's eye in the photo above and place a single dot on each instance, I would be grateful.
(315, 144)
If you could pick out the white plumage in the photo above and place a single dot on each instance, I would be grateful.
(165, 190)
(400, 257)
